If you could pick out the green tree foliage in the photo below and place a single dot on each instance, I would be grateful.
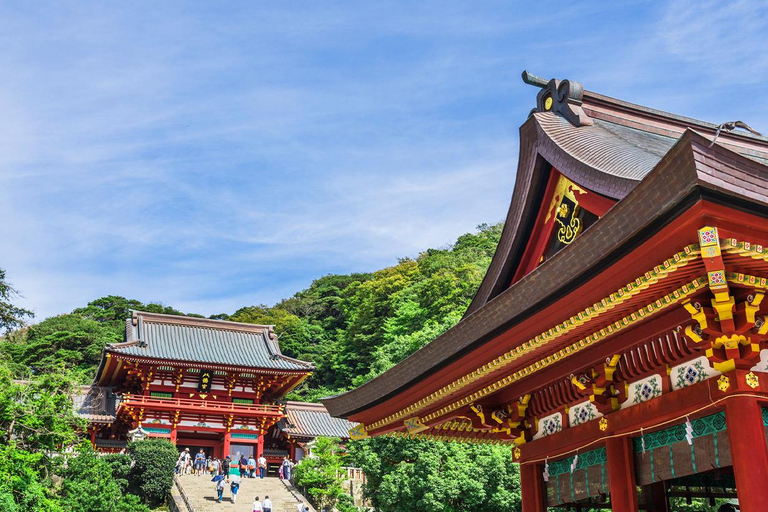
(153, 464)
(319, 476)
(113, 310)
(37, 415)
(61, 342)
(91, 483)
(24, 485)
(354, 327)
(420, 475)
(74, 341)
(11, 316)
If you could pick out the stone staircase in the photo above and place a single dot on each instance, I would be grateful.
(201, 493)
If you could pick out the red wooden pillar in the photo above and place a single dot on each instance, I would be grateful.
(93, 437)
(292, 451)
(532, 488)
(174, 434)
(749, 452)
(621, 474)
(227, 439)
(259, 446)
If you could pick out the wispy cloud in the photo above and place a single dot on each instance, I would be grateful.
(215, 156)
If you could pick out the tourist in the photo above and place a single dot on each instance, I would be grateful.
(287, 466)
(182, 462)
(234, 487)
(256, 505)
(243, 466)
(215, 467)
(220, 490)
(251, 467)
(199, 462)
(262, 466)
(300, 507)
(266, 505)
(225, 467)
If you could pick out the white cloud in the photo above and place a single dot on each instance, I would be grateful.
(212, 157)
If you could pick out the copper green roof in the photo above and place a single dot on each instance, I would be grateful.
(216, 342)
(312, 420)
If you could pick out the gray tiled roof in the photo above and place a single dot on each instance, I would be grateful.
(201, 340)
(313, 420)
(96, 404)
(612, 148)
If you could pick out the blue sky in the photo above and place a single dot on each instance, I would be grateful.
(211, 155)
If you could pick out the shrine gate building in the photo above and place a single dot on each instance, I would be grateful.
(202, 383)
(617, 343)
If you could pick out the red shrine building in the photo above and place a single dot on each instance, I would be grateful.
(204, 384)
(618, 343)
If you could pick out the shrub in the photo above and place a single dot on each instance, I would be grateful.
(90, 485)
(153, 464)
(22, 484)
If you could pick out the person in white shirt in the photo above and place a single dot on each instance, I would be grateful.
(256, 504)
(300, 507)
(262, 466)
(266, 505)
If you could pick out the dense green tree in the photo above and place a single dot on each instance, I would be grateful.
(74, 341)
(11, 316)
(421, 475)
(153, 465)
(90, 485)
(319, 476)
(37, 415)
(113, 310)
(58, 343)
(24, 484)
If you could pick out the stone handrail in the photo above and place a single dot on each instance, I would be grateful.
(183, 494)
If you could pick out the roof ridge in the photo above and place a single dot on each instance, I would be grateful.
(193, 321)
(585, 98)
(305, 405)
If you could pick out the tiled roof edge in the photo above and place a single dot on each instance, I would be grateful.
(192, 321)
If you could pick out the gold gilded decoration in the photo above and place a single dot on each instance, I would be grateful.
(752, 380)
(517, 453)
(668, 267)
(603, 424)
(564, 187)
(358, 432)
(620, 325)
(566, 207)
(204, 384)
(548, 103)
(723, 383)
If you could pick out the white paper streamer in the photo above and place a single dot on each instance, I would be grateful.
(688, 431)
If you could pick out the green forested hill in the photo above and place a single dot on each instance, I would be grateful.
(352, 327)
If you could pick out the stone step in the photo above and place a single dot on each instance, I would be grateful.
(202, 494)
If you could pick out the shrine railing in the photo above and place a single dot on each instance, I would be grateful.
(210, 406)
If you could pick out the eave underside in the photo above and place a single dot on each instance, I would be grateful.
(598, 260)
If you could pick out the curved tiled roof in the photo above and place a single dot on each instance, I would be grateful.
(96, 404)
(313, 420)
(608, 147)
(178, 338)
